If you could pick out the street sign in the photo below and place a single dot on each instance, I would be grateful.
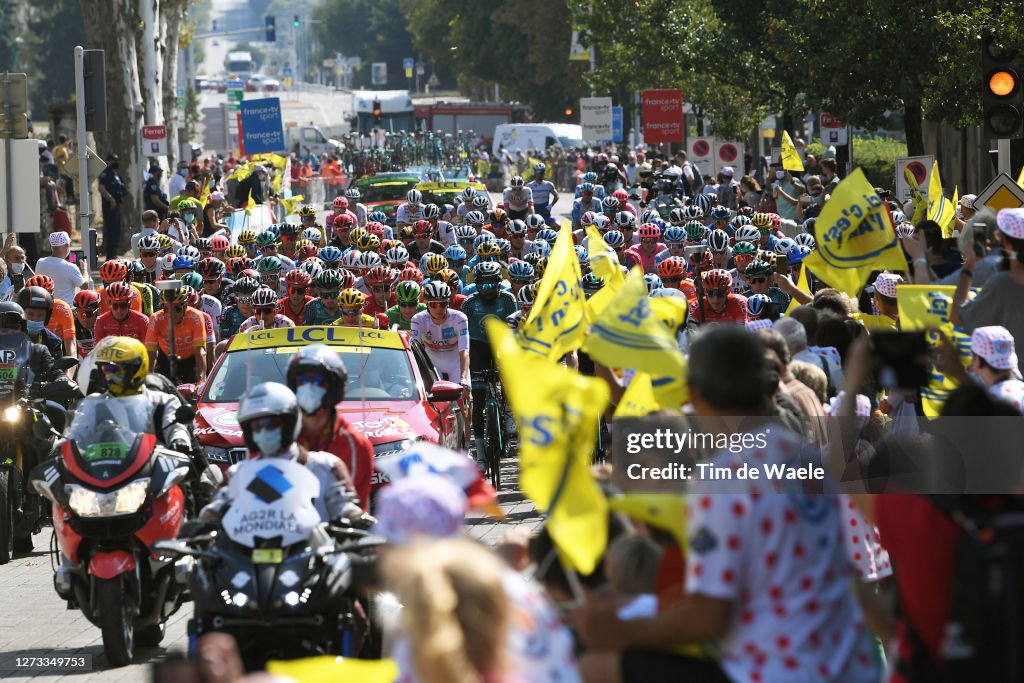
(261, 126)
(729, 154)
(235, 85)
(95, 165)
(407, 65)
(921, 167)
(434, 81)
(328, 63)
(236, 95)
(616, 124)
(701, 154)
(663, 115)
(833, 130)
(286, 72)
(596, 118)
(379, 73)
(154, 141)
(1001, 193)
(421, 68)
(23, 167)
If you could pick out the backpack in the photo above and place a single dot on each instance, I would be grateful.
(984, 637)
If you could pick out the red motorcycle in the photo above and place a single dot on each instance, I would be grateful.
(115, 493)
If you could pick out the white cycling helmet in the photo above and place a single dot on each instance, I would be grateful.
(414, 197)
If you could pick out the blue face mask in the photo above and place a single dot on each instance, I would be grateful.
(34, 326)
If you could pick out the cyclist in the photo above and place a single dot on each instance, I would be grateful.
(189, 340)
(211, 271)
(341, 229)
(423, 243)
(497, 222)
(293, 305)
(519, 245)
(150, 295)
(442, 229)
(350, 308)
(265, 312)
(269, 268)
(87, 307)
(193, 301)
(721, 305)
(379, 281)
(586, 202)
(761, 279)
(247, 240)
(451, 278)
(218, 244)
(525, 298)
(672, 272)
(411, 210)
(307, 221)
(269, 241)
(520, 274)
(408, 295)
(121, 320)
(324, 309)
(318, 376)
(210, 305)
(718, 244)
(340, 204)
(352, 194)
(116, 270)
(60, 320)
(289, 238)
(543, 192)
(591, 178)
(489, 300)
(233, 316)
(743, 254)
(149, 251)
(517, 198)
(643, 255)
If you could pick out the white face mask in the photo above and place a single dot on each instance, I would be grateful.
(310, 397)
(17, 268)
(268, 441)
(780, 174)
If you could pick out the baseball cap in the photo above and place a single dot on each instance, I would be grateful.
(217, 196)
(59, 239)
(995, 345)
(885, 284)
(728, 171)
(1011, 223)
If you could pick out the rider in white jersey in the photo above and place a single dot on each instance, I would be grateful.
(444, 333)
(518, 199)
(411, 211)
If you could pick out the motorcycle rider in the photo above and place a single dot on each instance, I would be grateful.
(36, 306)
(318, 376)
(12, 317)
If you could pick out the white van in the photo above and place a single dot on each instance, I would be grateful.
(539, 136)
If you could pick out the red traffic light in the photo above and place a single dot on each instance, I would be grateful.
(1002, 83)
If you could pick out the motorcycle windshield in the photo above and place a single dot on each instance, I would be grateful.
(15, 350)
(106, 432)
(271, 503)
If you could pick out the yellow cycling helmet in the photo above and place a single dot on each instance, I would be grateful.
(540, 266)
(369, 242)
(234, 251)
(354, 235)
(488, 249)
(307, 212)
(124, 363)
(435, 264)
(247, 237)
(761, 220)
(766, 256)
(164, 241)
(350, 298)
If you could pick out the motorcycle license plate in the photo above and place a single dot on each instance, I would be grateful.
(267, 556)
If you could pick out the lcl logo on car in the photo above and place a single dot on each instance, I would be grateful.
(7, 356)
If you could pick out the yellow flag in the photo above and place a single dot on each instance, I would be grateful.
(204, 193)
(240, 172)
(327, 668)
(249, 204)
(1020, 177)
(802, 285)
(855, 236)
(603, 260)
(558, 320)
(670, 391)
(949, 229)
(290, 204)
(558, 413)
(940, 209)
(638, 399)
(666, 511)
(920, 203)
(790, 157)
(628, 334)
(926, 307)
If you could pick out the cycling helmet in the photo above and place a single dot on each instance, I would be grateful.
(702, 202)
(149, 243)
(191, 252)
(115, 291)
(235, 266)
(481, 203)
(411, 273)
(587, 187)
(398, 256)
(269, 265)
(486, 270)
(488, 249)
(464, 234)
(761, 220)
(739, 221)
(467, 194)
(289, 230)
(165, 242)
(520, 271)
(719, 213)
(747, 233)
(474, 218)
(114, 270)
(377, 217)
(805, 239)
(587, 218)
(718, 240)
(581, 254)
(33, 296)
(672, 267)
(526, 297)
(351, 298)
(329, 254)
(653, 283)
(455, 253)
(548, 235)
(340, 203)
(674, 234)
(535, 221)
(690, 213)
(797, 253)
(235, 251)
(783, 246)
(648, 215)
(434, 263)
(758, 305)
(625, 220)
(307, 212)
(378, 275)
(354, 235)
(539, 167)
(694, 231)
(676, 215)
(592, 283)
(757, 268)
(613, 238)
(744, 248)
(193, 280)
(767, 256)
(484, 236)
(498, 216)
(264, 296)
(431, 211)
(307, 251)
(898, 217)
(203, 244)
(408, 292)
(451, 277)
(368, 243)
(343, 220)
(266, 239)
(329, 281)
(649, 231)
(436, 290)
(414, 197)
(602, 222)
(311, 267)
(609, 203)
(905, 230)
(622, 196)
(367, 260)
(350, 259)
(183, 263)
(540, 247)
(298, 277)
(352, 193)
(517, 181)
(244, 287)
(312, 235)
(516, 227)
(422, 227)
(589, 177)
(247, 237)
(718, 278)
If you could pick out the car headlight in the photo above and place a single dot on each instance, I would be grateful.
(380, 449)
(124, 501)
(12, 414)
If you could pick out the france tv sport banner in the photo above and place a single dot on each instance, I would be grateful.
(662, 113)
(262, 128)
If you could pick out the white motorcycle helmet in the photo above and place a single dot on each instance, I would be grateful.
(269, 417)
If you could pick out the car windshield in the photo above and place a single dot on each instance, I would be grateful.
(391, 191)
(374, 374)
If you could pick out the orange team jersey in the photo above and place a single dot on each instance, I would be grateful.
(62, 321)
(188, 336)
(136, 300)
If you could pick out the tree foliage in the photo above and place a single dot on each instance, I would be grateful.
(370, 29)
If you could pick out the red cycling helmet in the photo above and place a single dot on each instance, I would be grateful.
(348, 280)
(375, 228)
(411, 273)
(343, 220)
(117, 291)
(422, 227)
(114, 270)
(298, 278)
(307, 251)
(219, 243)
(340, 203)
(377, 275)
(44, 281)
(622, 196)
(87, 298)
(717, 278)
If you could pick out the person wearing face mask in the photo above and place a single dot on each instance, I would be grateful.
(37, 305)
(318, 376)
(113, 191)
(17, 270)
(176, 185)
(786, 191)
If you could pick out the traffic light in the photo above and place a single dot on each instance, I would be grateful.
(570, 110)
(376, 111)
(1002, 96)
(295, 20)
(271, 29)
(95, 81)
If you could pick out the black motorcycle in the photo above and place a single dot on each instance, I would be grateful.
(27, 437)
(274, 576)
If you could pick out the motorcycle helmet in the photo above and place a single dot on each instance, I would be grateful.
(35, 297)
(318, 376)
(269, 417)
(124, 363)
(12, 316)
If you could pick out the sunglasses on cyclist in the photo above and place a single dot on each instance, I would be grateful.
(118, 305)
(147, 254)
(351, 311)
(90, 312)
(717, 293)
(758, 280)
(402, 304)
(437, 304)
(487, 286)
(379, 288)
(671, 280)
(648, 240)
(297, 290)
(265, 310)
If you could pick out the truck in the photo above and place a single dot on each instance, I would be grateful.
(537, 136)
(480, 117)
(240, 64)
(395, 111)
(304, 139)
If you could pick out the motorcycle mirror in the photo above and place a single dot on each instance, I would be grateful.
(42, 428)
(65, 363)
(185, 414)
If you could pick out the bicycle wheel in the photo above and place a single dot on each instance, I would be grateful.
(492, 443)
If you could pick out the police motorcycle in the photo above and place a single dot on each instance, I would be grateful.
(269, 571)
(26, 438)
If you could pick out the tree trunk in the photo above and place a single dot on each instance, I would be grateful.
(172, 13)
(913, 126)
(110, 25)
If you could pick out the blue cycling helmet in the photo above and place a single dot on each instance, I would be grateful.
(505, 246)
(330, 254)
(587, 187)
(183, 261)
(797, 253)
(520, 271)
(548, 235)
(672, 234)
(613, 238)
(275, 230)
(649, 215)
(481, 238)
(581, 254)
(455, 253)
(653, 283)
(378, 216)
(541, 247)
(589, 177)
(757, 305)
